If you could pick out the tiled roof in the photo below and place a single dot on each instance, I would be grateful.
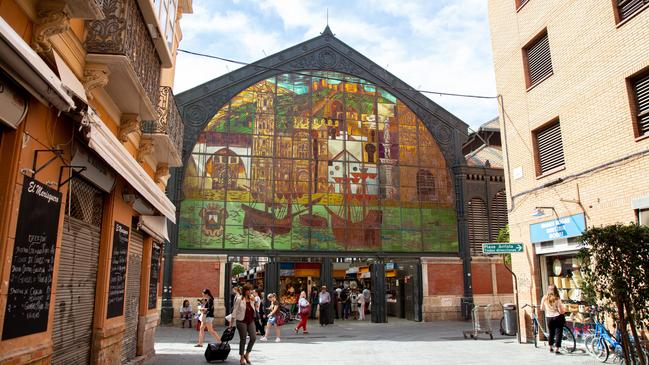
(492, 125)
(479, 157)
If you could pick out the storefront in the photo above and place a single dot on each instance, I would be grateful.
(557, 245)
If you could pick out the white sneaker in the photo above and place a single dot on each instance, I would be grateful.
(263, 339)
(277, 339)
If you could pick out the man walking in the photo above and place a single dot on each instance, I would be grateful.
(324, 298)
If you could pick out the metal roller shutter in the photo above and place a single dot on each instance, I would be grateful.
(77, 276)
(478, 225)
(129, 343)
(539, 61)
(627, 8)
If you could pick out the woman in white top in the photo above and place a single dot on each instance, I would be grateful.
(554, 310)
(361, 307)
(304, 308)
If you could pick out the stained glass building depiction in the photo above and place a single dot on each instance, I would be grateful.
(317, 160)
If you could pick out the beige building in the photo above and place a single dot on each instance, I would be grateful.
(88, 132)
(574, 83)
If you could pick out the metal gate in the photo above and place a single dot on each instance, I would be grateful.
(77, 275)
(129, 343)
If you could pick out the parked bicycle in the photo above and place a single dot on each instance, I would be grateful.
(568, 342)
(600, 344)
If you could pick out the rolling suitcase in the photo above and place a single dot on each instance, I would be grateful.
(221, 350)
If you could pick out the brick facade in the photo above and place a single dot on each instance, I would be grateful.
(592, 57)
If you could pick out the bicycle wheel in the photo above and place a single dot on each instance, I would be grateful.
(588, 342)
(599, 349)
(568, 342)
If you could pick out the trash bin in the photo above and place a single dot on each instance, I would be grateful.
(508, 325)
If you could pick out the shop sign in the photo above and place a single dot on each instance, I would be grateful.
(502, 247)
(564, 227)
(389, 266)
(286, 272)
(32, 264)
(97, 171)
(118, 261)
(154, 275)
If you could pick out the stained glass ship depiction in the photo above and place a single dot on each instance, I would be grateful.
(317, 161)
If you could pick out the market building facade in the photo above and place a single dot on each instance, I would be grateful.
(322, 168)
(573, 80)
(88, 132)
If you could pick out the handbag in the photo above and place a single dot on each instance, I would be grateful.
(304, 311)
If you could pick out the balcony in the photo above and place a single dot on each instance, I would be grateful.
(122, 42)
(166, 132)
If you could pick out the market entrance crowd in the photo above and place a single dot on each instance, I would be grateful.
(257, 313)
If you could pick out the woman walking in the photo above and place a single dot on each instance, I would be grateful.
(554, 310)
(243, 314)
(361, 307)
(304, 310)
(273, 316)
(259, 311)
(208, 319)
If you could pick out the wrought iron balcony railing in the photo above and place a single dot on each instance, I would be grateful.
(123, 32)
(169, 123)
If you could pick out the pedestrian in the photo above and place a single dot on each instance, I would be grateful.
(199, 314)
(259, 306)
(314, 302)
(553, 307)
(273, 318)
(324, 298)
(208, 319)
(345, 301)
(304, 308)
(243, 315)
(354, 303)
(338, 304)
(186, 314)
(361, 307)
(367, 295)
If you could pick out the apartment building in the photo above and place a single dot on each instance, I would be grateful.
(88, 132)
(573, 80)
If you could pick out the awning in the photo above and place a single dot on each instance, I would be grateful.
(155, 226)
(104, 142)
(69, 80)
(20, 61)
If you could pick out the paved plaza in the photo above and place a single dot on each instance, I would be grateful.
(399, 342)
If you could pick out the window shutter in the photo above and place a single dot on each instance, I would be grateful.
(626, 8)
(478, 227)
(539, 61)
(498, 214)
(550, 148)
(641, 89)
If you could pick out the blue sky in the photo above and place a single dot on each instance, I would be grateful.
(438, 45)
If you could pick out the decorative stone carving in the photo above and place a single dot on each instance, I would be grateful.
(130, 124)
(162, 174)
(147, 148)
(53, 18)
(94, 76)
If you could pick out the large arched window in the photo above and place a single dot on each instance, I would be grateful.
(324, 161)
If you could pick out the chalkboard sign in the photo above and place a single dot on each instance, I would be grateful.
(118, 261)
(32, 264)
(155, 275)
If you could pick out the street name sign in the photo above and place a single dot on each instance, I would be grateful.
(502, 247)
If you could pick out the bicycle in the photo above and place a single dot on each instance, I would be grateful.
(600, 343)
(568, 342)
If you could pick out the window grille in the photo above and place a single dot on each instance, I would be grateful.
(626, 8)
(549, 148)
(640, 87)
(539, 60)
(86, 202)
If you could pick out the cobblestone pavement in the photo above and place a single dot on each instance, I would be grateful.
(398, 342)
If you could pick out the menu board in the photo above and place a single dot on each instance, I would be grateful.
(118, 261)
(32, 264)
(155, 275)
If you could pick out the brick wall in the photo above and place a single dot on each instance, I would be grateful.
(191, 276)
(592, 57)
(481, 278)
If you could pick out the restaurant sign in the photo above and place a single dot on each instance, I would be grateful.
(564, 227)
